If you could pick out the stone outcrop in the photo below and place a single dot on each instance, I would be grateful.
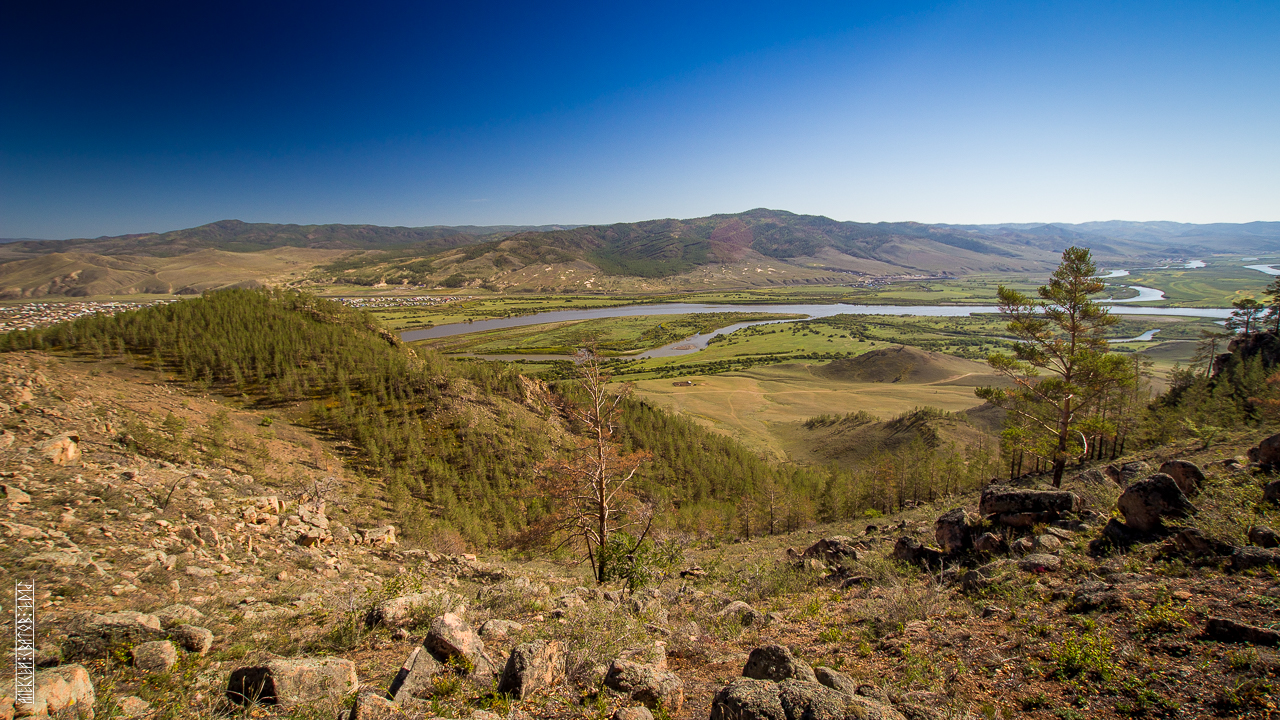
(93, 635)
(157, 656)
(1025, 508)
(62, 692)
(451, 639)
(776, 663)
(910, 550)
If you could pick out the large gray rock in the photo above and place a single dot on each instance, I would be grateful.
(415, 678)
(157, 656)
(646, 684)
(776, 663)
(1186, 474)
(372, 706)
(450, 638)
(499, 628)
(954, 530)
(93, 635)
(62, 692)
(836, 680)
(1146, 503)
(532, 667)
(1039, 562)
(288, 682)
(1123, 474)
(743, 613)
(748, 699)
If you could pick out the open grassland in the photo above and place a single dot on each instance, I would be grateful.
(763, 407)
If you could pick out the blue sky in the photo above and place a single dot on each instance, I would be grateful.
(166, 115)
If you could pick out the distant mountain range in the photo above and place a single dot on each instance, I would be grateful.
(754, 248)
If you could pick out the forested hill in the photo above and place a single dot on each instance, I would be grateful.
(446, 444)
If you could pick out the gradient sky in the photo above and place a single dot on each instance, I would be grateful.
(135, 117)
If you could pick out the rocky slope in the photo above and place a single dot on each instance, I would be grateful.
(254, 577)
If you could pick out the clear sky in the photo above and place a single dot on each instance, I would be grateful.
(150, 116)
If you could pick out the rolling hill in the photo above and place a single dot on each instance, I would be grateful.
(758, 248)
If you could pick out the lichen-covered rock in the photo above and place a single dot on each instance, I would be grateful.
(415, 677)
(372, 706)
(532, 667)
(62, 449)
(178, 614)
(157, 656)
(450, 638)
(954, 530)
(132, 706)
(288, 682)
(743, 613)
(776, 663)
(192, 638)
(403, 610)
(1125, 473)
(646, 684)
(748, 699)
(61, 692)
(833, 550)
(1000, 500)
(836, 680)
(1039, 562)
(1146, 503)
(639, 712)
(499, 628)
(1230, 631)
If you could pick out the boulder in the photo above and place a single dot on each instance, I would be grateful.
(1267, 454)
(288, 682)
(64, 691)
(646, 684)
(415, 677)
(836, 680)
(1271, 492)
(1230, 631)
(1146, 503)
(61, 449)
(157, 656)
(532, 667)
(450, 638)
(989, 544)
(379, 536)
(1248, 557)
(1186, 474)
(13, 495)
(954, 530)
(748, 699)
(93, 635)
(743, 613)
(776, 663)
(999, 500)
(909, 550)
(633, 713)
(1039, 562)
(192, 638)
(1263, 536)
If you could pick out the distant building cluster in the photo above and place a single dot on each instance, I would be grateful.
(390, 302)
(43, 314)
